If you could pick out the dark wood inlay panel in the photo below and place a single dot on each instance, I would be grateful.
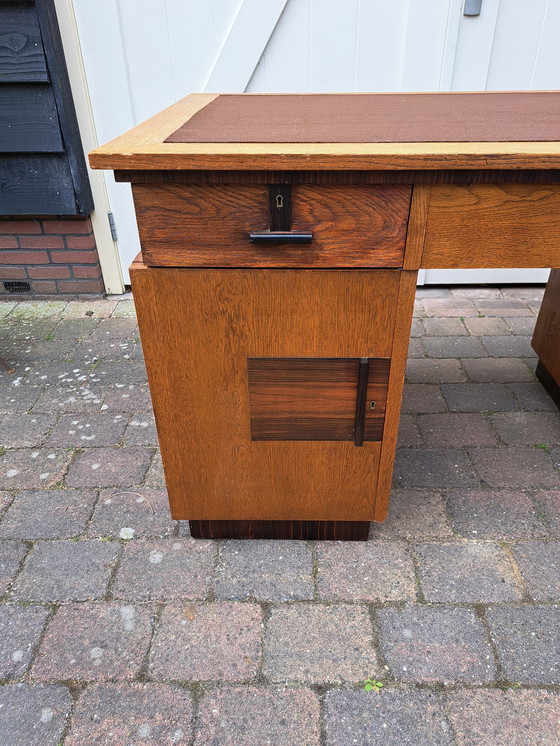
(305, 530)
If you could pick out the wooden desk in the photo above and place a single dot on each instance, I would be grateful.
(276, 363)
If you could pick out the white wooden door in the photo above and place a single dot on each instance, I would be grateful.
(142, 55)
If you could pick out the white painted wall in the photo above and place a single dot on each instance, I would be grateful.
(142, 55)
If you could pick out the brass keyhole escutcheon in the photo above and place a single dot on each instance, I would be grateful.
(279, 201)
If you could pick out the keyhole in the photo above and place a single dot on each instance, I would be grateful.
(372, 405)
(279, 201)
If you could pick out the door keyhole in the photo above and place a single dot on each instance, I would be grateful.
(279, 201)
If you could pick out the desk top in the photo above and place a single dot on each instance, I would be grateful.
(432, 131)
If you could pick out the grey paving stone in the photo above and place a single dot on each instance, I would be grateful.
(80, 399)
(6, 499)
(132, 514)
(100, 309)
(549, 503)
(527, 428)
(60, 374)
(11, 555)
(66, 571)
(218, 641)
(512, 718)
(47, 514)
(503, 307)
(433, 468)
(94, 642)
(528, 642)
(514, 467)
(89, 430)
(491, 326)
(265, 571)
(451, 327)
(525, 292)
(134, 397)
(495, 514)
(478, 397)
(277, 717)
(120, 373)
(365, 571)
(141, 431)
(321, 644)
(74, 328)
(454, 347)
(109, 467)
(25, 430)
(25, 329)
(166, 569)
(532, 397)
(508, 346)
(154, 475)
(26, 468)
(394, 718)
(539, 563)
(112, 339)
(19, 399)
(414, 514)
(466, 572)
(39, 349)
(20, 629)
(453, 306)
(497, 370)
(415, 348)
(434, 370)
(431, 292)
(524, 325)
(422, 397)
(476, 291)
(33, 715)
(408, 432)
(456, 429)
(147, 714)
(429, 644)
(416, 329)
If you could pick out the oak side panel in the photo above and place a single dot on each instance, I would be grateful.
(198, 328)
(490, 225)
(205, 226)
(416, 231)
(546, 337)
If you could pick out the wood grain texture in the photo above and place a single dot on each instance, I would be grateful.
(314, 398)
(200, 226)
(416, 231)
(399, 350)
(488, 225)
(198, 328)
(303, 530)
(546, 337)
(22, 59)
(29, 120)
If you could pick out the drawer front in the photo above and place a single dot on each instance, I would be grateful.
(493, 225)
(208, 226)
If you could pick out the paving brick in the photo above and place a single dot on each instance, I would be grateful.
(132, 514)
(141, 431)
(39, 349)
(94, 642)
(47, 514)
(549, 503)
(218, 641)
(497, 370)
(368, 571)
(503, 307)
(532, 397)
(499, 514)
(99, 309)
(166, 569)
(416, 329)
(478, 397)
(422, 397)
(525, 292)
(125, 309)
(89, 430)
(6, 307)
(451, 327)
(408, 432)
(21, 399)
(527, 428)
(413, 514)
(25, 430)
(277, 717)
(528, 642)
(512, 718)
(66, 571)
(524, 325)
(539, 563)
(415, 348)
(454, 347)
(129, 398)
(154, 475)
(514, 467)
(265, 571)
(11, 555)
(27, 468)
(109, 467)
(20, 629)
(457, 429)
(433, 468)
(33, 715)
(476, 291)
(394, 718)
(121, 373)
(433, 370)
(487, 326)
(432, 292)
(80, 399)
(113, 338)
(466, 572)
(322, 644)
(508, 346)
(38, 309)
(429, 644)
(442, 307)
(150, 714)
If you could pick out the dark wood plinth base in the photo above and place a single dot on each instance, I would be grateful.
(330, 530)
(551, 386)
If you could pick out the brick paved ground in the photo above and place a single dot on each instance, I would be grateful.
(117, 628)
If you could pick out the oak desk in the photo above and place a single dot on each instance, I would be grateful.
(281, 239)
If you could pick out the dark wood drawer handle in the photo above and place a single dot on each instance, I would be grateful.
(276, 237)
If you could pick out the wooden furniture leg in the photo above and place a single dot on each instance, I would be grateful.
(546, 338)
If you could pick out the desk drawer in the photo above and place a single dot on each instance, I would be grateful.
(208, 226)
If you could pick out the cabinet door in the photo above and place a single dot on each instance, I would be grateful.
(255, 381)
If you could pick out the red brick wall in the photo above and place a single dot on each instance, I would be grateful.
(55, 256)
